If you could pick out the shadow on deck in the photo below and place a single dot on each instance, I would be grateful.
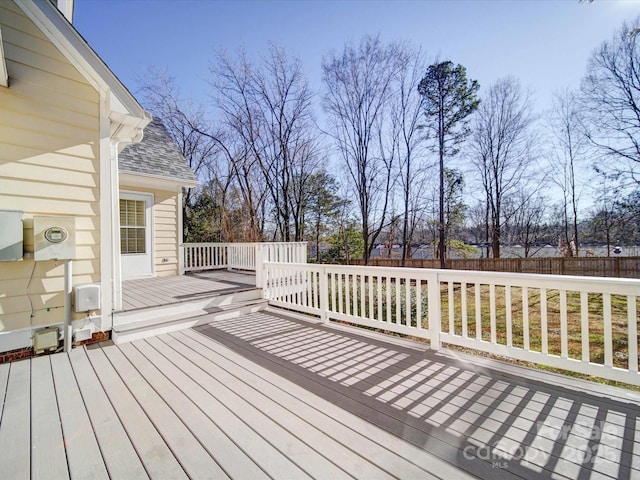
(493, 421)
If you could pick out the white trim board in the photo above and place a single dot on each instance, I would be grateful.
(4, 75)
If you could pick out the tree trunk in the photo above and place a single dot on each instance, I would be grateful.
(442, 238)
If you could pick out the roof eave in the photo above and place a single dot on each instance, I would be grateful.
(147, 180)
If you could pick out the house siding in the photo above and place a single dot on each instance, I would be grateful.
(49, 165)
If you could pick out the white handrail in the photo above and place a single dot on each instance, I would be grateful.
(241, 256)
(582, 324)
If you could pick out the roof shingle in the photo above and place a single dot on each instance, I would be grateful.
(156, 155)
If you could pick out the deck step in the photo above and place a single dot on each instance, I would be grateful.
(143, 323)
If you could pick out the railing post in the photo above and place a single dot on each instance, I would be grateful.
(259, 253)
(435, 322)
(324, 295)
(181, 254)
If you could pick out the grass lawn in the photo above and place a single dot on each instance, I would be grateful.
(553, 299)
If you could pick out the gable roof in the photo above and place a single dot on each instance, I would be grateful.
(157, 155)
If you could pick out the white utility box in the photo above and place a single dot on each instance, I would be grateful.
(11, 237)
(45, 340)
(54, 238)
(87, 297)
(82, 334)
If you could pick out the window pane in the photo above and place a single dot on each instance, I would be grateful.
(132, 223)
(132, 213)
(132, 240)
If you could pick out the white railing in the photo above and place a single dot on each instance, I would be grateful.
(587, 325)
(241, 256)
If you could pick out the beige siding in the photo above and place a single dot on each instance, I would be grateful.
(165, 230)
(49, 165)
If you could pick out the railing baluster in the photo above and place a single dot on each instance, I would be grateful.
(584, 327)
(407, 301)
(340, 305)
(478, 302)
(347, 294)
(419, 303)
(333, 305)
(388, 292)
(544, 328)
(608, 335)
(492, 311)
(354, 300)
(564, 338)
(525, 319)
(371, 311)
(379, 297)
(463, 310)
(363, 297)
(632, 331)
(508, 315)
(451, 302)
(398, 318)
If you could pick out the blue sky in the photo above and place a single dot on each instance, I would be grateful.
(544, 43)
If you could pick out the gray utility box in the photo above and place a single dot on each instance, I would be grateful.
(54, 238)
(11, 236)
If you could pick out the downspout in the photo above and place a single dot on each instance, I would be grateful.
(115, 228)
(116, 143)
(106, 214)
(68, 329)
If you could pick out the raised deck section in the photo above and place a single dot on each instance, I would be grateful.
(152, 306)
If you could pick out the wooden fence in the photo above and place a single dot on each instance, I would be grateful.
(620, 267)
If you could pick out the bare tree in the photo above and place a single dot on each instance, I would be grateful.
(267, 109)
(570, 144)
(448, 99)
(611, 92)
(284, 100)
(358, 84)
(242, 193)
(186, 123)
(502, 145)
(525, 213)
(412, 168)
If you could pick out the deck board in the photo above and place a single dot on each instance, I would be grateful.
(4, 377)
(227, 454)
(332, 459)
(15, 435)
(239, 423)
(195, 460)
(48, 456)
(272, 396)
(83, 454)
(121, 459)
(156, 456)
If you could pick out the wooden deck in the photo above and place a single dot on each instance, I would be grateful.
(159, 291)
(272, 396)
